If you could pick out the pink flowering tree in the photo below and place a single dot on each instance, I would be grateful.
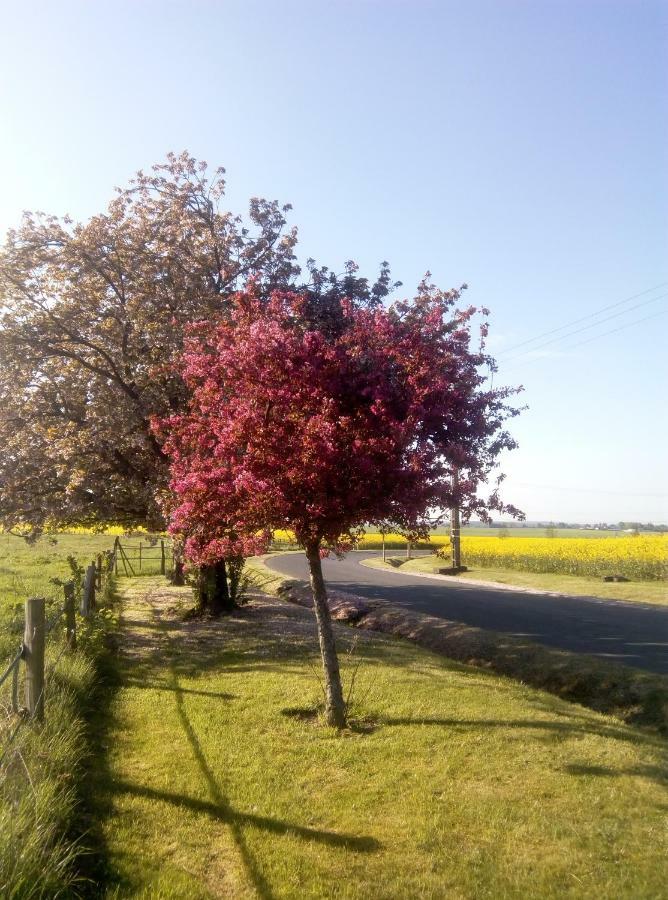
(321, 430)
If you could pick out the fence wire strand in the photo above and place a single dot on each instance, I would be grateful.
(51, 624)
(10, 739)
(13, 669)
(24, 718)
(13, 664)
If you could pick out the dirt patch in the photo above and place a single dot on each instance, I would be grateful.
(265, 626)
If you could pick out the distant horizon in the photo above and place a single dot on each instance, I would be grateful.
(538, 523)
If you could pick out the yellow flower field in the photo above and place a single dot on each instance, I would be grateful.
(640, 558)
(643, 558)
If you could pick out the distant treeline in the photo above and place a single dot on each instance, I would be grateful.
(596, 526)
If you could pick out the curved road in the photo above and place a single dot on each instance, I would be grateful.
(633, 634)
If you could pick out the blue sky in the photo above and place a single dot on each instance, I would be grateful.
(516, 146)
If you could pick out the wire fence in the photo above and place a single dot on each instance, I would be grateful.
(31, 653)
(145, 558)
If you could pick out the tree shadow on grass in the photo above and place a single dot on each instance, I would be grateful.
(574, 725)
(101, 786)
(653, 773)
(219, 808)
(95, 806)
(153, 685)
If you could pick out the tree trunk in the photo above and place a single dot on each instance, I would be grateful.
(178, 576)
(235, 568)
(214, 592)
(335, 709)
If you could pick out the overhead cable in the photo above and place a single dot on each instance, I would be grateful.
(582, 318)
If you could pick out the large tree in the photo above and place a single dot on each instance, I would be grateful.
(91, 315)
(321, 429)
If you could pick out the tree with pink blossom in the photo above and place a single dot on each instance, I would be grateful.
(321, 430)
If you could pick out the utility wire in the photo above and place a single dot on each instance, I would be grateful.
(563, 337)
(623, 327)
(582, 319)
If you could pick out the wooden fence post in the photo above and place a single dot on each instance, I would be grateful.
(88, 593)
(70, 618)
(33, 640)
(116, 557)
(99, 571)
(162, 557)
(140, 556)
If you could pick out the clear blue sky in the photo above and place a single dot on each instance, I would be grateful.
(517, 146)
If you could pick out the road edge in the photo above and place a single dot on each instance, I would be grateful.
(636, 697)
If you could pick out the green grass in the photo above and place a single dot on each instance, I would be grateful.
(638, 591)
(40, 777)
(218, 781)
(39, 791)
(26, 571)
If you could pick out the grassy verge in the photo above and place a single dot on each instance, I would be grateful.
(634, 591)
(632, 695)
(40, 776)
(220, 781)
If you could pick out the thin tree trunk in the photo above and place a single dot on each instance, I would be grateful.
(178, 575)
(335, 708)
(235, 568)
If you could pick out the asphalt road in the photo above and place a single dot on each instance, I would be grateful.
(632, 634)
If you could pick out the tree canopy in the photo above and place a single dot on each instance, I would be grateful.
(289, 427)
(91, 316)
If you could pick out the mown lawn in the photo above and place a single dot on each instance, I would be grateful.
(214, 778)
(633, 591)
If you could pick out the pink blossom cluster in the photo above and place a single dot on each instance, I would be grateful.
(290, 427)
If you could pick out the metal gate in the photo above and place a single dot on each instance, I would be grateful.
(148, 556)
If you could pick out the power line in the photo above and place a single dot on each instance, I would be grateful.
(582, 318)
(623, 327)
(563, 337)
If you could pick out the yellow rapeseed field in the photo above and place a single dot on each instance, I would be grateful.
(640, 558)
(643, 558)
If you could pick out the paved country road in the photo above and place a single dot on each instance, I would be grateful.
(633, 634)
